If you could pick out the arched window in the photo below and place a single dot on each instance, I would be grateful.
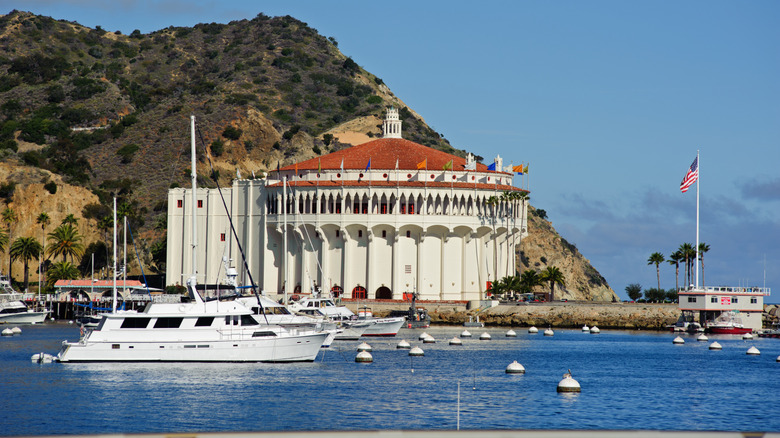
(359, 293)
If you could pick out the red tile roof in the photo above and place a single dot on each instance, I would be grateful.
(384, 153)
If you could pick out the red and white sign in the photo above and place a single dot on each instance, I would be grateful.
(725, 301)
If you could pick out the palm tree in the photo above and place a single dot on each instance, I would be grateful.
(66, 241)
(688, 253)
(70, 220)
(62, 271)
(703, 247)
(493, 202)
(529, 280)
(553, 275)
(25, 248)
(674, 259)
(44, 220)
(9, 217)
(3, 239)
(656, 259)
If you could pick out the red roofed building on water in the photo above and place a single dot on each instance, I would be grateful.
(374, 221)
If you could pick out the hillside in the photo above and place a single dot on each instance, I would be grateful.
(108, 114)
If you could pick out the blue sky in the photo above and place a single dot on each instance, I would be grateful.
(607, 100)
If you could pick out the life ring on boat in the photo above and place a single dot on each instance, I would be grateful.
(182, 308)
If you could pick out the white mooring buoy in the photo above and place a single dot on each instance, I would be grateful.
(678, 341)
(702, 338)
(715, 346)
(456, 341)
(515, 368)
(465, 334)
(429, 340)
(549, 332)
(585, 328)
(7, 332)
(416, 351)
(423, 336)
(568, 384)
(533, 329)
(403, 345)
(364, 357)
(364, 347)
(16, 330)
(753, 351)
(484, 336)
(42, 358)
(778, 358)
(747, 336)
(594, 330)
(511, 334)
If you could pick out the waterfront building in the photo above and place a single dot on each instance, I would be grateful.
(707, 303)
(374, 221)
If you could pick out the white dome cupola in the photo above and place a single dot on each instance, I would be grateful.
(391, 127)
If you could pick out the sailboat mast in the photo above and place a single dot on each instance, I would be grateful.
(124, 255)
(113, 306)
(696, 248)
(194, 207)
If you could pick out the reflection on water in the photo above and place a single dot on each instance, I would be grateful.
(630, 380)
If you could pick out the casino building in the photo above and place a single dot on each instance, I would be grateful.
(377, 220)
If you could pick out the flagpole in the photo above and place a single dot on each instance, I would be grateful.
(696, 249)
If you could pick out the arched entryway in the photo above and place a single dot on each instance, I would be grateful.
(359, 293)
(336, 291)
(384, 293)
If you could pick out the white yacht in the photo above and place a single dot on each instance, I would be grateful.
(13, 310)
(197, 331)
(270, 312)
(377, 326)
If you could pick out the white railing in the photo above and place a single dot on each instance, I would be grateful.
(738, 290)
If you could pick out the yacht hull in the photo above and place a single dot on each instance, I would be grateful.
(385, 327)
(271, 349)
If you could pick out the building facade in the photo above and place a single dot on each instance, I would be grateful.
(706, 303)
(377, 221)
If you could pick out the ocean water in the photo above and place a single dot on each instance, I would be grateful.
(629, 379)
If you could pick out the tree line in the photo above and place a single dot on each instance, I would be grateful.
(61, 252)
(685, 255)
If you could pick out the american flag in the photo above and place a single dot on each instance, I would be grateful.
(691, 177)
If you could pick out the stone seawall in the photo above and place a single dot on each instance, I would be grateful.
(572, 315)
(557, 314)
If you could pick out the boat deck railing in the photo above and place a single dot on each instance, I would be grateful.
(765, 291)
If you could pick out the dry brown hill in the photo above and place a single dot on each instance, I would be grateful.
(105, 114)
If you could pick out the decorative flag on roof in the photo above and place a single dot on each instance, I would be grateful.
(526, 169)
(691, 176)
(518, 169)
(396, 164)
(492, 167)
(342, 165)
(277, 168)
(508, 169)
(471, 166)
(319, 165)
(296, 169)
(447, 165)
(368, 166)
(423, 164)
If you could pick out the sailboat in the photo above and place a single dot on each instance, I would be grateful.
(195, 331)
